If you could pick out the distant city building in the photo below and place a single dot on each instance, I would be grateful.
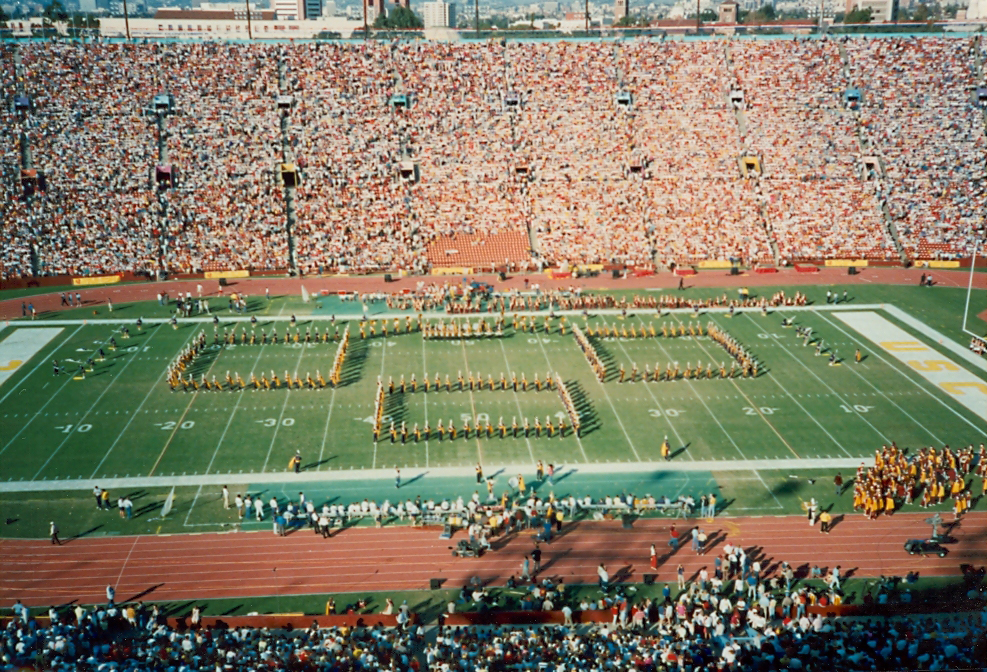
(621, 10)
(728, 13)
(881, 10)
(440, 14)
(87, 5)
(289, 10)
(313, 9)
(375, 8)
(403, 3)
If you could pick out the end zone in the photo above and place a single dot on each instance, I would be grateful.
(948, 376)
(23, 344)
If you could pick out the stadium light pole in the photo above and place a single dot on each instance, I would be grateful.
(365, 29)
(476, 19)
(250, 32)
(126, 19)
(699, 20)
(587, 16)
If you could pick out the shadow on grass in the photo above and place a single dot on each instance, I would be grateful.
(83, 534)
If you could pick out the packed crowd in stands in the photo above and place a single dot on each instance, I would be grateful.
(935, 186)
(555, 153)
(929, 476)
(699, 630)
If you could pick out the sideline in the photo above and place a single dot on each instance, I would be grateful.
(329, 476)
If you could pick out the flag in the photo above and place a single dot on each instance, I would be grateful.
(169, 503)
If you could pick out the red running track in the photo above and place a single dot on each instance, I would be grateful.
(231, 565)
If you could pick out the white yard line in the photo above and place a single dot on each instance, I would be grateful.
(277, 427)
(661, 409)
(380, 377)
(832, 391)
(579, 441)
(90, 410)
(517, 401)
(68, 380)
(240, 396)
(38, 365)
(135, 413)
(479, 449)
(912, 381)
(752, 404)
(703, 402)
(770, 492)
(325, 432)
(425, 368)
(194, 500)
(603, 386)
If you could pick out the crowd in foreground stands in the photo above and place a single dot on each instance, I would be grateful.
(527, 138)
(691, 632)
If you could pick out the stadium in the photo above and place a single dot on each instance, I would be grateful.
(574, 355)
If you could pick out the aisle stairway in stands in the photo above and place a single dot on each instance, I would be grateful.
(879, 171)
(741, 117)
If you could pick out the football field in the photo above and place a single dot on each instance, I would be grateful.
(123, 420)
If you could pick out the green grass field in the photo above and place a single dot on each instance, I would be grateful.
(124, 421)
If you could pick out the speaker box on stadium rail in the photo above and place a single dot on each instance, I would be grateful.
(388, 278)
(851, 270)
(649, 579)
(434, 584)
(615, 273)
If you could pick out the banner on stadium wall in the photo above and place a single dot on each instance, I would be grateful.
(589, 268)
(96, 280)
(943, 264)
(215, 275)
(715, 263)
(452, 270)
(843, 263)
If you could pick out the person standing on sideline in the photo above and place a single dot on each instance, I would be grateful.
(838, 482)
(128, 507)
(604, 575)
(479, 473)
(98, 494)
(111, 593)
(711, 505)
(654, 557)
(551, 474)
(526, 569)
(673, 538)
(680, 574)
(226, 497)
(53, 531)
(825, 518)
(238, 500)
(536, 556)
(540, 471)
(397, 479)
